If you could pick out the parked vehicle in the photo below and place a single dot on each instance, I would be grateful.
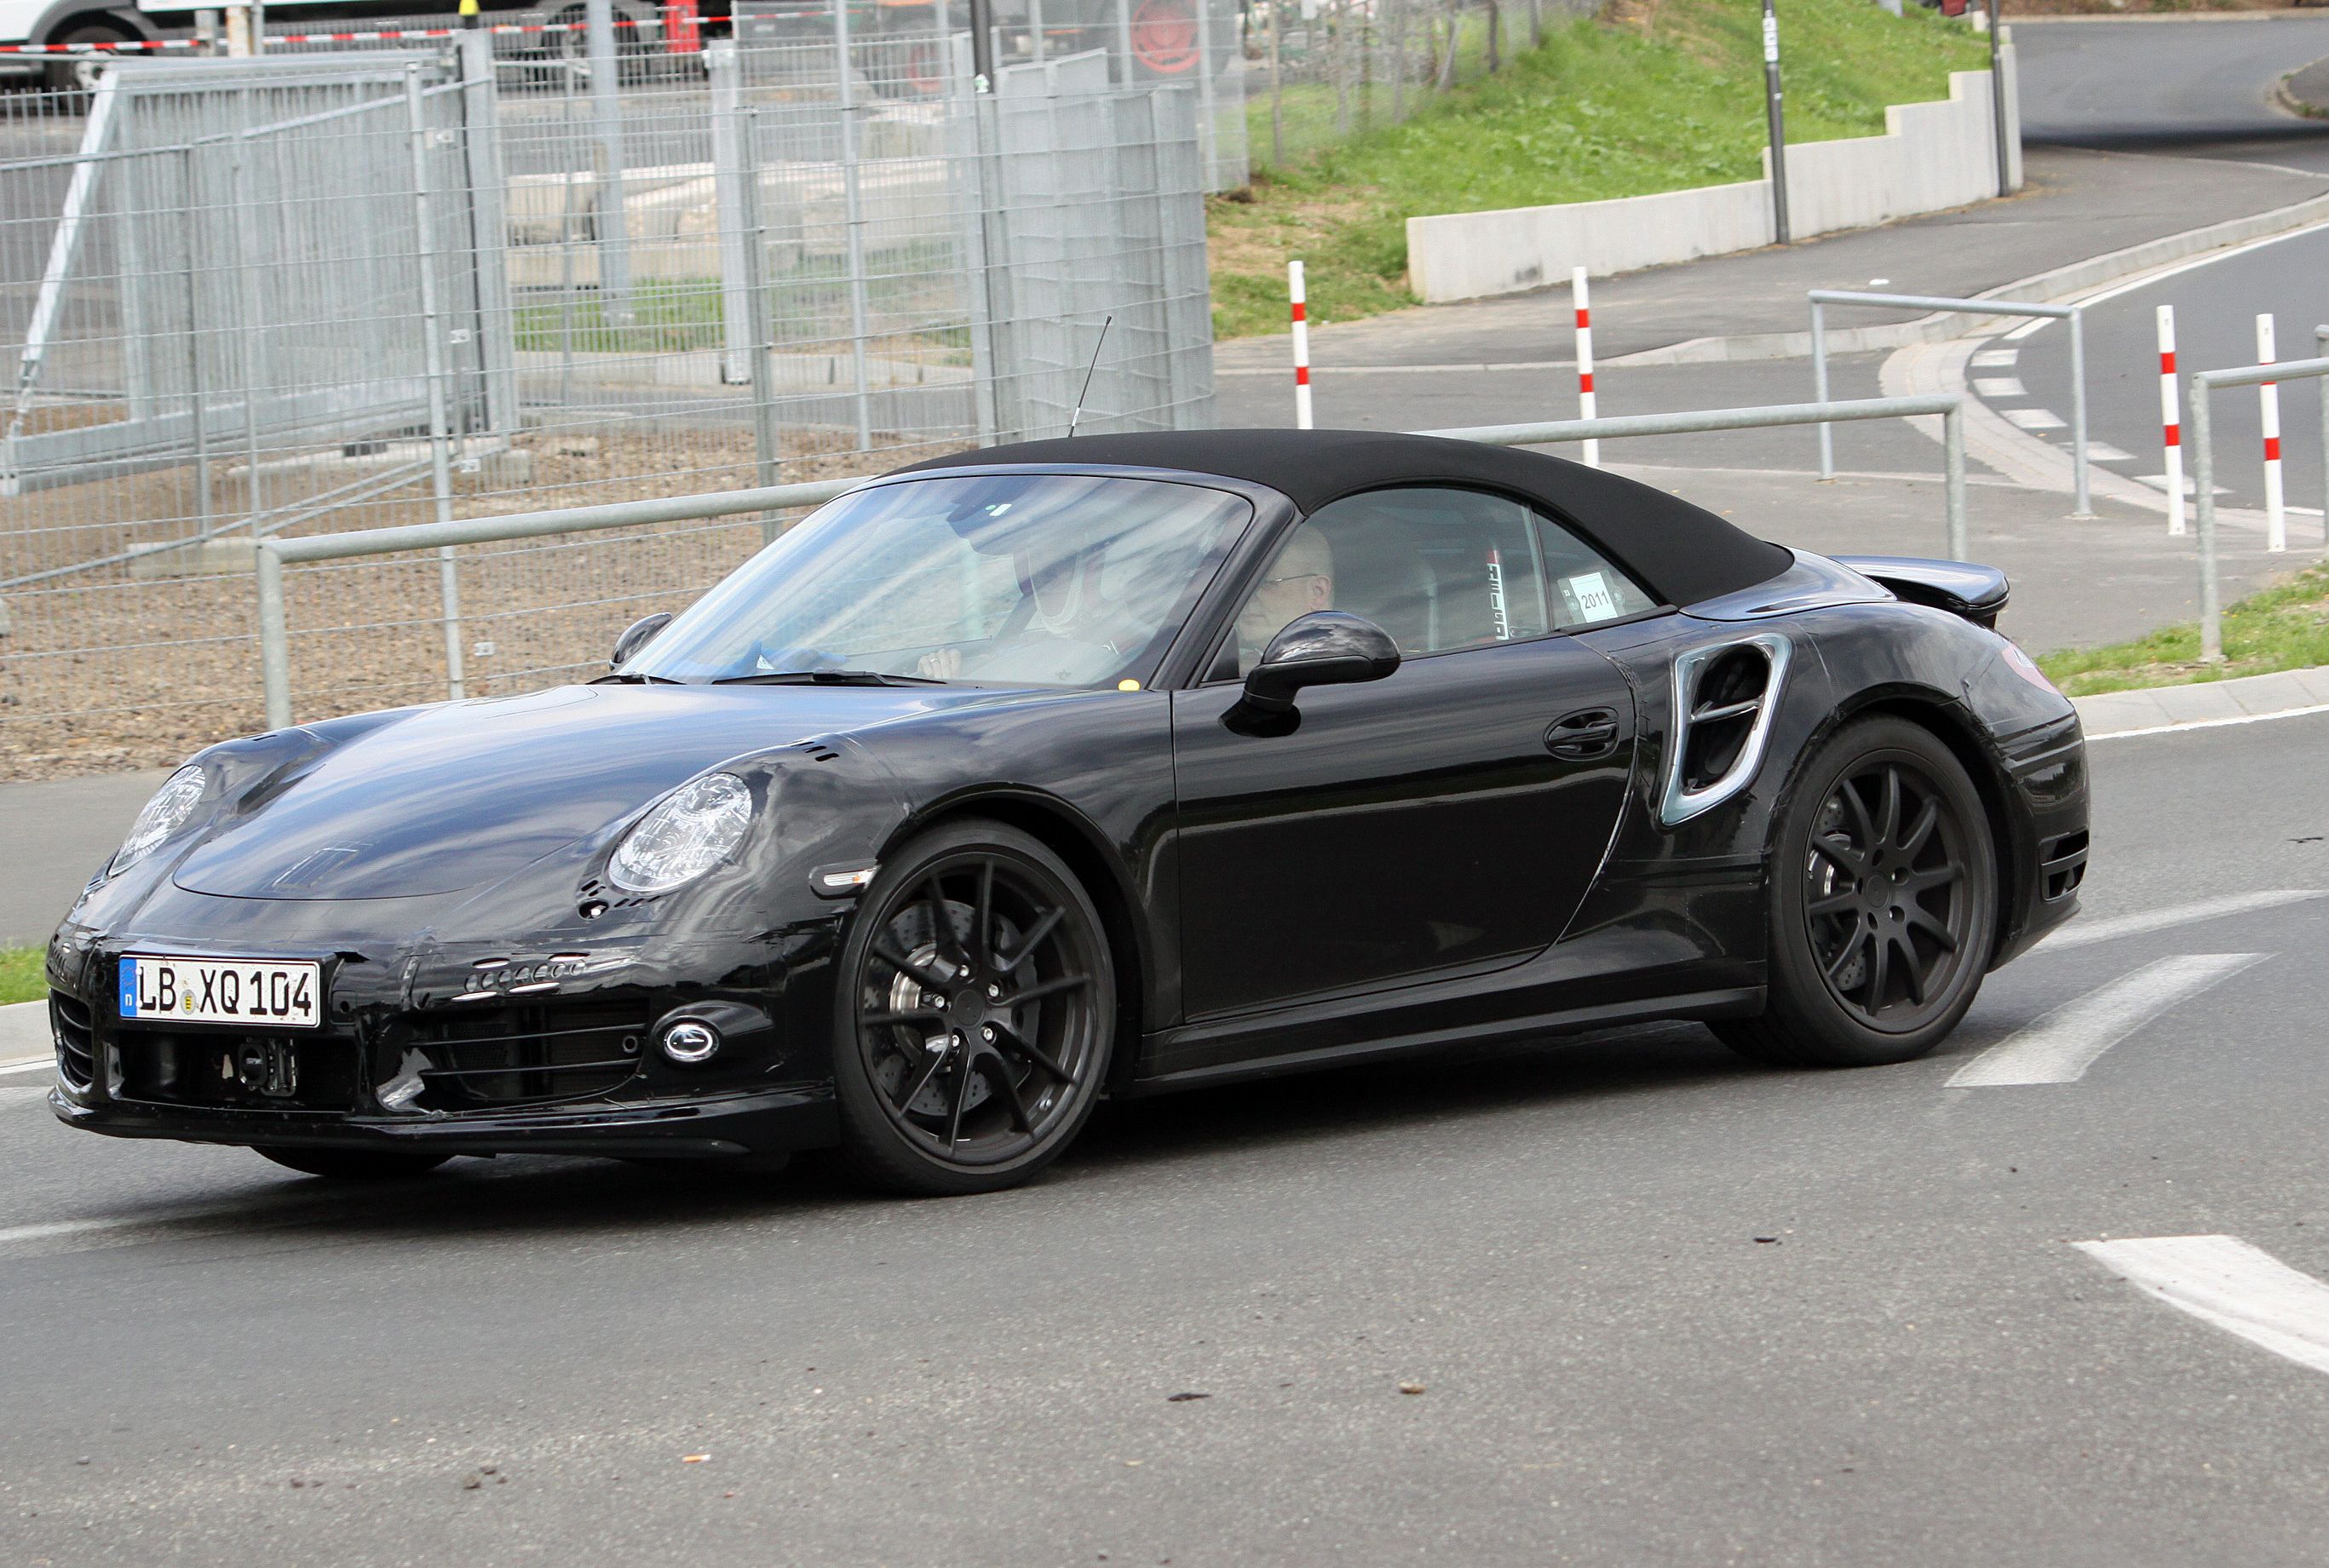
(1073, 768)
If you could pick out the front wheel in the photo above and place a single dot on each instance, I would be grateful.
(975, 1017)
(352, 1164)
(1882, 904)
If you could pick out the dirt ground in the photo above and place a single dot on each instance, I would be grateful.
(100, 672)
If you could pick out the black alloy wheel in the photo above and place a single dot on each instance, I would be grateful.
(1882, 907)
(352, 1164)
(976, 1014)
(61, 75)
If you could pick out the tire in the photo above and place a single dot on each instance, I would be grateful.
(1882, 921)
(352, 1164)
(635, 46)
(61, 76)
(974, 1013)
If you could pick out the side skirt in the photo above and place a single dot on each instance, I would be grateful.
(1739, 1001)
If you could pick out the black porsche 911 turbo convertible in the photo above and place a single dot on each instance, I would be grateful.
(1032, 775)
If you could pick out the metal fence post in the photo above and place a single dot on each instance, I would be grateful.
(2321, 343)
(197, 388)
(614, 229)
(2203, 477)
(1953, 481)
(2084, 505)
(758, 319)
(432, 340)
(730, 170)
(853, 217)
(1819, 388)
(274, 635)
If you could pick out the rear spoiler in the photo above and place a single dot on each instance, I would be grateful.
(1975, 592)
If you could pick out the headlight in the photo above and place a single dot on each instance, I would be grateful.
(162, 816)
(692, 830)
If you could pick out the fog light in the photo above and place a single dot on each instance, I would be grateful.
(689, 1042)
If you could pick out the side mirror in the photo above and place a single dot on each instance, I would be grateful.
(1323, 648)
(637, 635)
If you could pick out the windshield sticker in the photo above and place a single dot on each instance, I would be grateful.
(1591, 593)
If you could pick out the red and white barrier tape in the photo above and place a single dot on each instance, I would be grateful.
(2170, 419)
(1586, 401)
(378, 35)
(1299, 296)
(2275, 516)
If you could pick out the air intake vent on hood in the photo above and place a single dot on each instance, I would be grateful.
(1724, 699)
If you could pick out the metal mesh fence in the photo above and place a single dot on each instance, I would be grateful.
(372, 283)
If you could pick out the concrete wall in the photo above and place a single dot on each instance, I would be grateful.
(1931, 156)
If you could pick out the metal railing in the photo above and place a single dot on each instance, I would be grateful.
(272, 555)
(2204, 474)
(2072, 314)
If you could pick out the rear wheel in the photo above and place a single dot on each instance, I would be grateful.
(352, 1164)
(975, 1017)
(1883, 904)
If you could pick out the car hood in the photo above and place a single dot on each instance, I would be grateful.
(463, 794)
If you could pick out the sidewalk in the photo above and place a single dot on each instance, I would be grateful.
(2077, 204)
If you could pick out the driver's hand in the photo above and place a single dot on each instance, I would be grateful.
(943, 664)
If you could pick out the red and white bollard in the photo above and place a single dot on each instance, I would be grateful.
(1585, 398)
(2275, 515)
(1295, 288)
(2171, 416)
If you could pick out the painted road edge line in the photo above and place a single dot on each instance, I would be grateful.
(2086, 933)
(2060, 1046)
(2208, 723)
(2224, 1281)
(34, 1065)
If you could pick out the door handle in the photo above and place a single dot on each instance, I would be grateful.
(1587, 735)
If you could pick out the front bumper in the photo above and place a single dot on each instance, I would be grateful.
(750, 1123)
(2045, 773)
(472, 1048)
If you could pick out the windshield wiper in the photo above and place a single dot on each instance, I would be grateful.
(826, 678)
(638, 680)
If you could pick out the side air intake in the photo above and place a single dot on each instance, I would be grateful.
(1724, 699)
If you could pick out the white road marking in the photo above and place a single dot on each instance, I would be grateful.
(2086, 933)
(2224, 1281)
(2191, 487)
(37, 1065)
(2060, 1048)
(2034, 325)
(65, 1227)
(1999, 387)
(2104, 452)
(1994, 359)
(2211, 723)
(2144, 280)
(2034, 418)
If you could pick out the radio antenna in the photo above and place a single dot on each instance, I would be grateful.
(1076, 417)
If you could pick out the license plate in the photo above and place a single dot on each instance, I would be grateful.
(221, 991)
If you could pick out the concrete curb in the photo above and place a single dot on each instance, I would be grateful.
(2305, 92)
(2157, 709)
(2061, 283)
(24, 1032)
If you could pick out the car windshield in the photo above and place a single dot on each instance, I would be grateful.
(1001, 580)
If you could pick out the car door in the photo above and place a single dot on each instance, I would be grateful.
(1448, 818)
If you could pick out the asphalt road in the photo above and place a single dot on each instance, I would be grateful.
(2199, 86)
(223, 1364)
(2216, 305)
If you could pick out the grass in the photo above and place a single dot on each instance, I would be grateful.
(2281, 628)
(20, 975)
(1603, 108)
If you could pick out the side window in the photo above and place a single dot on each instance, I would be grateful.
(1439, 570)
(1587, 589)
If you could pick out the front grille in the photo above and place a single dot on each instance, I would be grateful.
(70, 1022)
(230, 1071)
(517, 1056)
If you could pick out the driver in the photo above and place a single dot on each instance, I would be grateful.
(1072, 634)
(1300, 580)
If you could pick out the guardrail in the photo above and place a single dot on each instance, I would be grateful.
(2074, 315)
(272, 555)
(2203, 475)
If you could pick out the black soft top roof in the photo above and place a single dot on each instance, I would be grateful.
(1683, 553)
